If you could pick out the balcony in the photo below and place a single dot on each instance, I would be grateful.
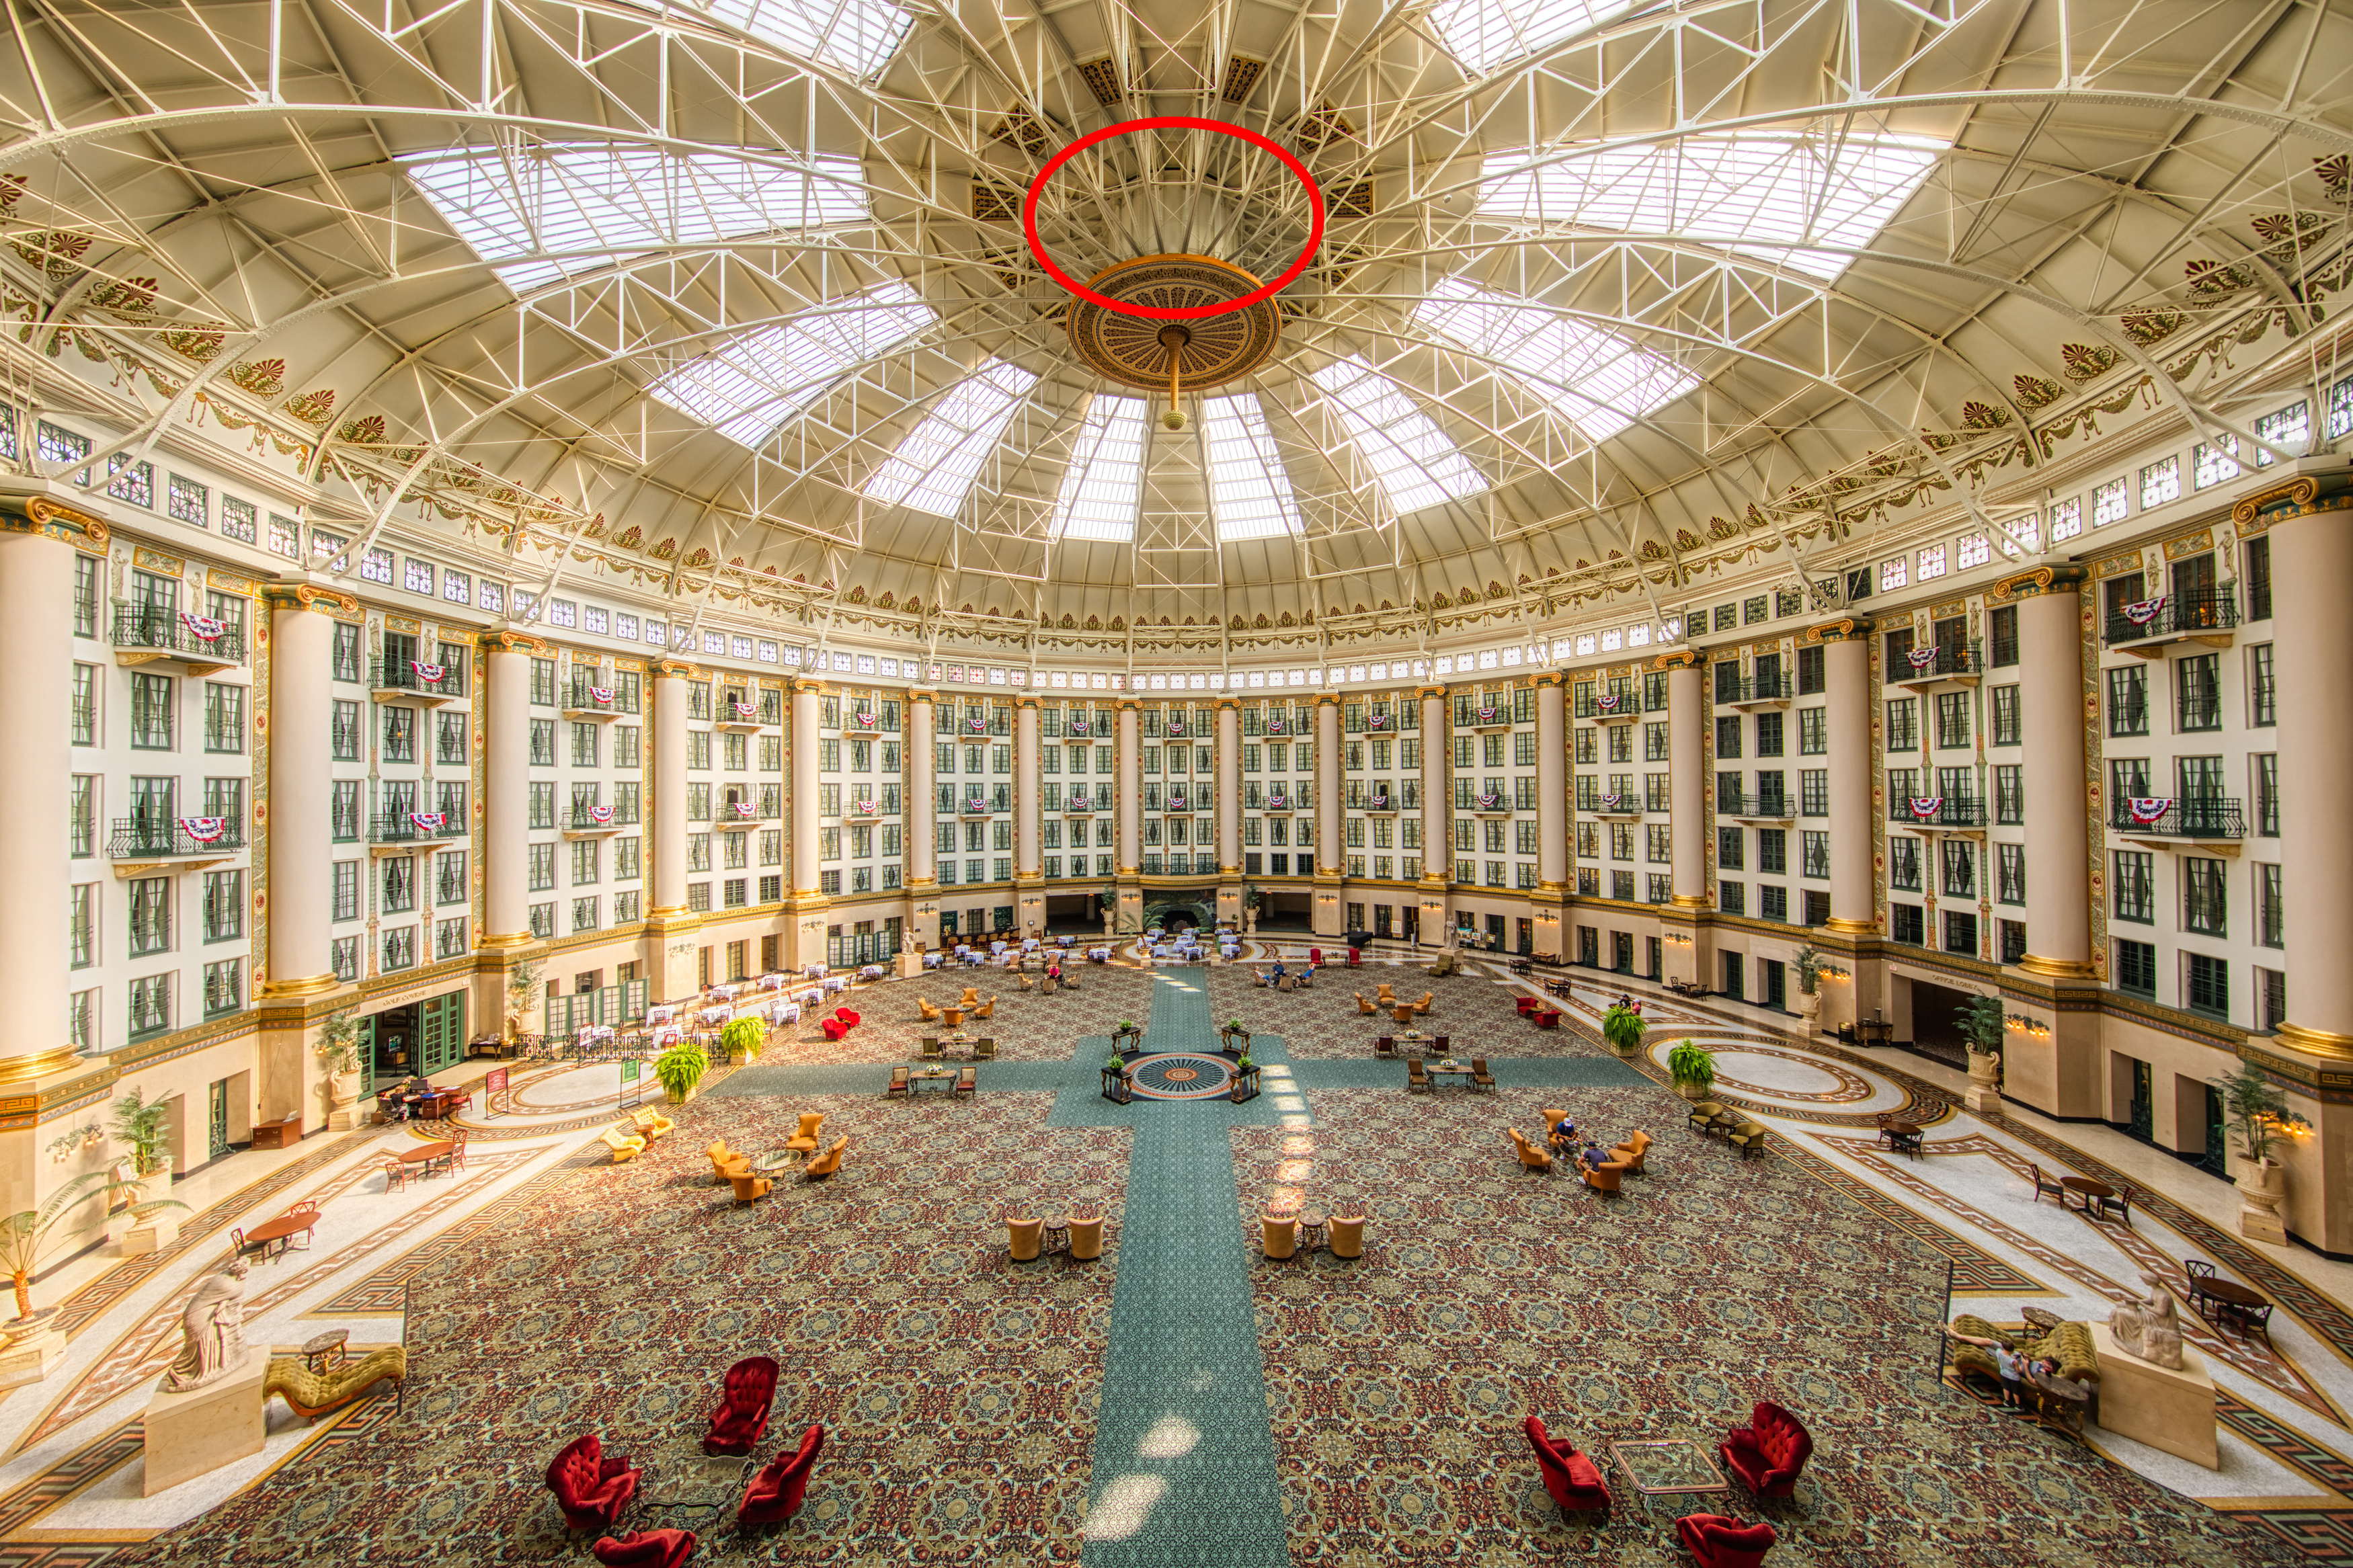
(1935, 814)
(1280, 803)
(1080, 804)
(140, 844)
(1611, 708)
(1758, 808)
(594, 822)
(1491, 805)
(2145, 628)
(1378, 805)
(1751, 694)
(414, 680)
(392, 832)
(1616, 807)
(1483, 719)
(1178, 805)
(741, 718)
(197, 644)
(740, 816)
(867, 810)
(591, 702)
(2210, 823)
(1937, 665)
(973, 805)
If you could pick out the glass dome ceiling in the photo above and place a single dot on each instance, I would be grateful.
(732, 298)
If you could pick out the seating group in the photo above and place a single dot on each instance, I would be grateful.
(1083, 1238)
(1765, 1457)
(1343, 1236)
(840, 1024)
(1534, 1010)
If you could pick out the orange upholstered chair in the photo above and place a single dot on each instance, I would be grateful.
(1023, 1239)
(1279, 1235)
(804, 1142)
(1531, 1157)
(1629, 1154)
(1603, 1178)
(1345, 1234)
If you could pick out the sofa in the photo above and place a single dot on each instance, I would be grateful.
(2069, 1344)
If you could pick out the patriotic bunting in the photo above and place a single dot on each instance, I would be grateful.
(1925, 806)
(744, 709)
(204, 629)
(204, 829)
(2146, 809)
(1609, 702)
(430, 821)
(1491, 802)
(1922, 657)
(600, 814)
(744, 808)
(602, 696)
(2144, 611)
(1609, 801)
(431, 674)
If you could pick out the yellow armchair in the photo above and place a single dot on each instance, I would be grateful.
(931, 1014)
(721, 1156)
(805, 1140)
(652, 1122)
(749, 1188)
(626, 1146)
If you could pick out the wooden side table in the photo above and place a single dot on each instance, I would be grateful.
(326, 1349)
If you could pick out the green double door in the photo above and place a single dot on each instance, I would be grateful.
(421, 1037)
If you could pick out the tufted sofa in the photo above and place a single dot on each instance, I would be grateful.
(2069, 1344)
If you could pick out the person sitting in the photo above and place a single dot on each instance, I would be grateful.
(1563, 1134)
(1592, 1155)
(2012, 1366)
(1276, 976)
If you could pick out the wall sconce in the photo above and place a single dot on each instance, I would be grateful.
(1677, 940)
(1833, 972)
(2034, 1026)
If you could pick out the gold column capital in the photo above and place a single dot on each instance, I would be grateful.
(1846, 927)
(2058, 968)
(2311, 1042)
(40, 1064)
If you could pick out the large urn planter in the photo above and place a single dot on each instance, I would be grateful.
(1809, 1004)
(342, 1090)
(2262, 1189)
(1985, 1081)
(1695, 1091)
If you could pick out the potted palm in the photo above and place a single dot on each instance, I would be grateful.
(1809, 966)
(1693, 1068)
(338, 1051)
(1981, 1019)
(522, 995)
(2257, 1115)
(28, 1238)
(1623, 1027)
(139, 1122)
(679, 1070)
(742, 1038)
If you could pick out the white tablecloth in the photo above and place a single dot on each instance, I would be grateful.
(836, 983)
(662, 1015)
(872, 972)
(726, 992)
(1100, 954)
(785, 1013)
(810, 998)
(931, 961)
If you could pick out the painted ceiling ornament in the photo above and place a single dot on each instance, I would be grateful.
(1173, 355)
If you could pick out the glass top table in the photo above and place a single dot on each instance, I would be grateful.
(1667, 1466)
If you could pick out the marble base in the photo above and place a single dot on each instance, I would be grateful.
(2262, 1224)
(193, 1433)
(151, 1234)
(31, 1358)
(910, 965)
(2165, 1408)
(350, 1117)
(1982, 1099)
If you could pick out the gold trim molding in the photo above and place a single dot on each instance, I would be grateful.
(24, 1069)
(1846, 927)
(306, 985)
(2315, 1042)
(2058, 968)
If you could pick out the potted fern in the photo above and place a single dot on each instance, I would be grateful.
(522, 995)
(1809, 966)
(679, 1070)
(1693, 1068)
(743, 1038)
(338, 1053)
(1980, 1020)
(1623, 1027)
(2257, 1115)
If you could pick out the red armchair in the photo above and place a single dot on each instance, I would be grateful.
(742, 1415)
(834, 1028)
(646, 1549)
(774, 1494)
(1545, 1018)
(1769, 1452)
(1355, 959)
(590, 1489)
(1715, 1541)
(850, 1020)
(1573, 1480)
(1523, 1004)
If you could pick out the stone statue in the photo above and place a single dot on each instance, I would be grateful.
(2148, 1329)
(213, 1325)
(906, 942)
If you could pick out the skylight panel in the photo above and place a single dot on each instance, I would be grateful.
(1105, 483)
(933, 469)
(1768, 196)
(1600, 381)
(1249, 493)
(859, 36)
(1411, 457)
(746, 388)
(621, 201)
(1483, 34)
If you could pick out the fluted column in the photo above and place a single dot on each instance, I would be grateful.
(806, 821)
(1329, 859)
(1028, 813)
(922, 793)
(666, 816)
(1437, 751)
(36, 651)
(2050, 718)
(506, 816)
(302, 718)
(1229, 786)
(1552, 782)
(1130, 805)
(2312, 576)
(1687, 781)
(1846, 681)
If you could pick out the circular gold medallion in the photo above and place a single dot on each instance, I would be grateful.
(1138, 352)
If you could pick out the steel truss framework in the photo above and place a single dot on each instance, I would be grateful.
(199, 190)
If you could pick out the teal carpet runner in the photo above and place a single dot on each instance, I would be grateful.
(1185, 1468)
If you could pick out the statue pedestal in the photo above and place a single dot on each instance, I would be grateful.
(152, 1234)
(193, 1433)
(30, 1357)
(2165, 1408)
(910, 965)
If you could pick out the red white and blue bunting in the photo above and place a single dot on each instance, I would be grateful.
(1176, 803)
(1491, 802)
(431, 674)
(1274, 726)
(602, 696)
(204, 829)
(866, 720)
(866, 808)
(600, 814)
(1608, 702)
(1487, 715)
(1925, 807)
(1609, 801)
(1922, 657)
(1276, 802)
(743, 808)
(1078, 727)
(2146, 809)
(430, 821)
(204, 629)
(976, 725)
(744, 709)
(975, 803)
(2143, 611)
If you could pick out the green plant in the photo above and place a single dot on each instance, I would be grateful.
(744, 1037)
(1692, 1066)
(1623, 1027)
(1250, 900)
(339, 1042)
(1809, 966)
(1127, 1026)
(522, 986)
(65, 1144)
(1233, 1026)
(29, 1236)
(139, 1121)
(681, 1068)
(2257, 1111)
(1114, 1063)
(1981, 1024)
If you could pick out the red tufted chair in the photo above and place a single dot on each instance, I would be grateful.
(1572, 1478)
(738, 1422)
(590, 1489)
(646, 1549)
(850, 1020)
(1768, 1453)
(774, 1494)
(834, 1028)
(1715, 1541)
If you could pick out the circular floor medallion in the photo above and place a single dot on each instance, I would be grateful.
(1180, 1075)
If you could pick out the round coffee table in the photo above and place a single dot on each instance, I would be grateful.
(775, 1160)
(325, 1350)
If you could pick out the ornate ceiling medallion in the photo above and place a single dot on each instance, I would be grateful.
(1173, 355)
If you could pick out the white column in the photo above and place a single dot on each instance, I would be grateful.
(1028, 811)
(1229, 786)
(806, 821)
(506, 822)
(36, 655)
(922, 793)
(1329, 860)
(301, 717)
(1688, 781)
(1846, 680)
(1552, 783)
(1130, 805)
(666, 816)
(2058, 839)
(2312, 574)
(1437, 752)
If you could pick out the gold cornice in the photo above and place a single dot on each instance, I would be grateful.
(2299, 491)
(2315, 1042)
(24, 1069)
(1845, 927)
(292, 990)
(70, 525)
(2057, 968)
(1029, 699)
(1683, 659)
(520, 642)
(1846, 628)
(1555, 678)
(677, 667)
(309, 596)
(2040, 580)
